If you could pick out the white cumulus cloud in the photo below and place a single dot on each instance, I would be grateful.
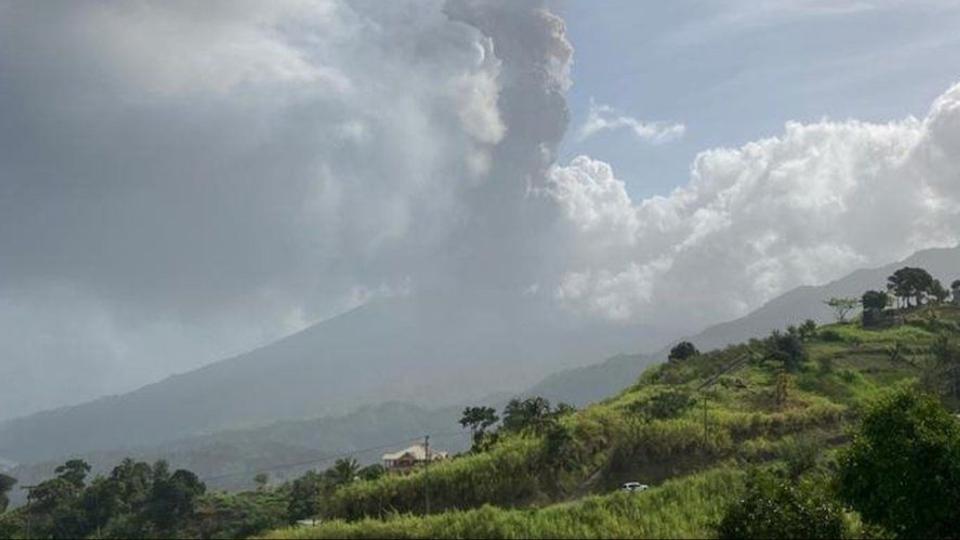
(809, 205)
(605, 118)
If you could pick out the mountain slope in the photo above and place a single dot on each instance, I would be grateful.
(591, 383)
(806, 302)
(382, 351)
(680, 425)
(230, 459)
(431, 352)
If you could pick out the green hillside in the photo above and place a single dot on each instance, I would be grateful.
(809, 432)
(688, 427)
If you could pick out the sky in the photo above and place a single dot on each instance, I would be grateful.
(181, 182)
(733, 71)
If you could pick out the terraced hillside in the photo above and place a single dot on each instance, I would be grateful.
(688, 428)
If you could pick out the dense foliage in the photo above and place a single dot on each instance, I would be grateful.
(682, 351)
(775, 506)
(902, 470)
(874, 300)
(135, 500)
(6, 484)
(911, 285)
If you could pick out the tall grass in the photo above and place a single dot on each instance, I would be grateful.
(507, 474)
(686, 508)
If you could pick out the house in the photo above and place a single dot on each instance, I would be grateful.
(409, 458)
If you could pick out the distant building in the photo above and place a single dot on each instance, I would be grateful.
(407, 459)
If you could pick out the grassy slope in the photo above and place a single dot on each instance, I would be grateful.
(612, 443)
(681, 508)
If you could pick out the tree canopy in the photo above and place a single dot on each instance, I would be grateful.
(682, 351)
(939, 292)
(786, 348)
(479, 420)
(875, 300)
(910, 284)
(842, 307)
(776, 507)
(902, 470)
(6, 484)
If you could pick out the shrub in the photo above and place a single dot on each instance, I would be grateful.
(800, 456)
(902, 470)
(825, 365)
(788, 349)
(831, 335)
(667, 404)
(773, 507)
(682, 351)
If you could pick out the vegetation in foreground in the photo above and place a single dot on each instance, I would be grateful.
(682, 508)
(750, 441)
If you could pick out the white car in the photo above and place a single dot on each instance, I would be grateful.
(634, 487)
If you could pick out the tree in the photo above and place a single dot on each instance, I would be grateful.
(99, 503)
(371, 472)
(774, 507)
(6, 484)
(74, 471)
(563, 409)
(902, 470)
(910, 284)
(54, 505)
(132, 482)
(939, 292)
(787, 349)
(874, 300)
(955, 285)
(261, 480)
(946, 369)
(305, 494)
(478, 420)
(807, 330)
(53, 510)
(343, 471)
(683, 350)
(842, 307)
(173, 496)
(531, 413)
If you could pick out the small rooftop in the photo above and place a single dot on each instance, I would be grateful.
(416, 452)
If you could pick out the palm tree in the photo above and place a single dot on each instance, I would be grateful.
(344, 471)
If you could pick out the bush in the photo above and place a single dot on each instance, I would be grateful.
(774, 507)
(825, 364)
(831, 336)
(667, 404)
(800, 457)
(902, 470)
(682, 351)
(788, 349)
